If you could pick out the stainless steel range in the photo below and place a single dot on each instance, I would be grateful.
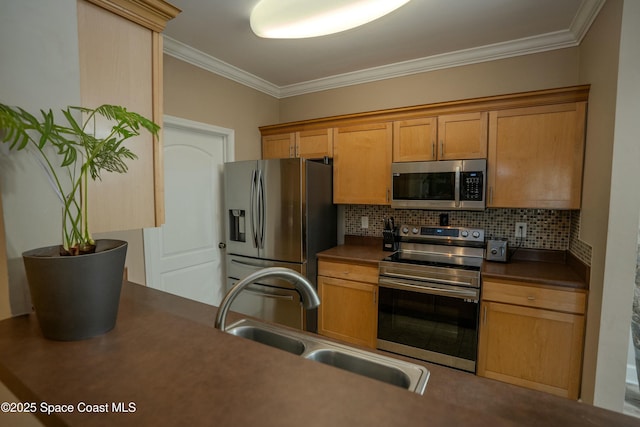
(429, 292)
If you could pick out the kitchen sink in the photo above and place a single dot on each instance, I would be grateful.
(362, 366)
(409, 376)
(270, 338)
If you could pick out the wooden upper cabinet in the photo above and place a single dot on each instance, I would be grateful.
(462, 136)
(120, 51)
(312, 144)
(536, 155)
(362, 164)
(447, 137)
(278, 146)
(415, 140)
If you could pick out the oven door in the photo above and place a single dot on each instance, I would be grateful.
(429, 321)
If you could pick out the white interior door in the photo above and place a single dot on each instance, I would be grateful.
(182, 256)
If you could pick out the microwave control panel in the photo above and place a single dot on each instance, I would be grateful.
(472, 186)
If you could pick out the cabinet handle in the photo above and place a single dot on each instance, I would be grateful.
(484, 316)
(490, 195)
(441, 147)
(531, 298)
(433, 149)
(388, 194)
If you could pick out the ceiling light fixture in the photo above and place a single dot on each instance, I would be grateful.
(293, 19)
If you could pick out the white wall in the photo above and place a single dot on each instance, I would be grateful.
(621, 248)
(39, 68)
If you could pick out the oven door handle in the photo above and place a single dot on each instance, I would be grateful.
(403, 286)
(443, 281)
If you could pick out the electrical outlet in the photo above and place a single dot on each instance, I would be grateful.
(521, 230)
(364, 222)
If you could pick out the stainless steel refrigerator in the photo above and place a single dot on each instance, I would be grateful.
(280, 213)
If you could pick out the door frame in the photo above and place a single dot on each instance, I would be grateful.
(228, 136)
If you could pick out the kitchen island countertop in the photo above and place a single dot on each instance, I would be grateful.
(165, 357)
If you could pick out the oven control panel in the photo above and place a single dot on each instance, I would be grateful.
(442, 233)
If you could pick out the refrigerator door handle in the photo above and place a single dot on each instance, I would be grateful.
(261, 210)
(252, 208)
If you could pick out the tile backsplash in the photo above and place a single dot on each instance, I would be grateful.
(546, 229)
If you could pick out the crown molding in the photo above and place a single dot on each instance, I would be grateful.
(551, 41)
(207, 62)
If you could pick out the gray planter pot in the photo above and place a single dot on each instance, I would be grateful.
(76, 297)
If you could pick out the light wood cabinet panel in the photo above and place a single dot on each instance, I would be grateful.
(511, 292)
(278, 146)
(342, 270)
(448, 137)
(5, 308)
(121, 63)
(528, 341)
(362, 164)
(535, 156)
(348, 310)
(415, 140)
(462, 136)
(314, 144)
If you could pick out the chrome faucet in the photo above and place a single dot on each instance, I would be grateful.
(309, 296)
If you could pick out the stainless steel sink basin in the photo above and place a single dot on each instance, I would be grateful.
(264, 336)
(362, 366)
(409, 376)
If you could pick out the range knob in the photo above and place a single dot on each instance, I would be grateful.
(476, 234)
(464, 233)
(415, 230)
(405, 230)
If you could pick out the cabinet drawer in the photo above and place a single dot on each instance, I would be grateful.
(532, 296)
(343, 270)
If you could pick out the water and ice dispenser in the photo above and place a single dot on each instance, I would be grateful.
(237, 225)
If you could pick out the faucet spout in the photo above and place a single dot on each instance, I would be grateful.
(309, 296)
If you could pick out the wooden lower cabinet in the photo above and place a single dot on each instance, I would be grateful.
(348, 308)
(532, 337)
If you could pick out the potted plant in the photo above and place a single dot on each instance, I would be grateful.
(75, 286)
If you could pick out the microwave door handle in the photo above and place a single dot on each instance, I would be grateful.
(457, 187)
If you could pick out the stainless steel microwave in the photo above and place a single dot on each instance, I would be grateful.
(440, 185)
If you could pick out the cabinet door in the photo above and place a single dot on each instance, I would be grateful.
(534, 348)
(362, 164)
(462, 136)
(536, 157)
(415, 140)
(314, 144)
(118, 65)
(278, 146)
(348, 310)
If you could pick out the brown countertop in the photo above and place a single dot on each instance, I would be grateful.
(541, 267)
(361, 253)
(166, 358)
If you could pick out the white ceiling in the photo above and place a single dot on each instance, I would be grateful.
(420, 36)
